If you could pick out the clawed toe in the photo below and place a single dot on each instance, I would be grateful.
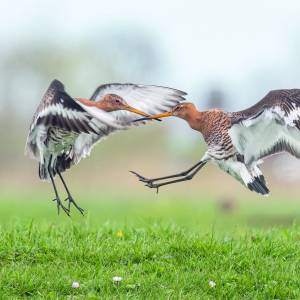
(71, 201)
(142, 178)
(60, 205)
(153, 186)
(148, 182)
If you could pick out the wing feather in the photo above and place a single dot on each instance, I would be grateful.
(58, 109)
(283, 102)
(151, 99)
(270, 126)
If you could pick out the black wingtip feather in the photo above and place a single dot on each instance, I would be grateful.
(258, 186)
(56, 84)
(262, 179)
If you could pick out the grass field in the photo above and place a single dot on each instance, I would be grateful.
(163, 249)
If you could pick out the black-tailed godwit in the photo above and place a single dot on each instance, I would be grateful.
(238, 141)
(64, 129)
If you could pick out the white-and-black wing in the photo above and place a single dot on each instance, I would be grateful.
(270, 126)
(57, 109)
(147, 98)
(150, 99)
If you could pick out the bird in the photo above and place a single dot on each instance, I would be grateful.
(237, 142)
(65, 129)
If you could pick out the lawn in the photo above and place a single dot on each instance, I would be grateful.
(163, 249)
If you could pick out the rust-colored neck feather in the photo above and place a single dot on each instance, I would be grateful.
(193, 117)
(208, 122)
(98, 104)
(190, 114)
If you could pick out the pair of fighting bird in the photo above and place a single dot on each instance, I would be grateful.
(64, 130)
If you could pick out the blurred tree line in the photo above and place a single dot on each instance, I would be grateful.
(26, 69)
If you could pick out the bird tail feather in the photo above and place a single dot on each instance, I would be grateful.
(258, 185)
(59, 164)
(62, 163)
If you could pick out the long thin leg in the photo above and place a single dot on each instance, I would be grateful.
(69, 198)
(184, 173)
(187, 177)
(57, 199)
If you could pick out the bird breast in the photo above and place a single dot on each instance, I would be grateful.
(215, 126)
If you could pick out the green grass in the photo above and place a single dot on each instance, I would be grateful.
(163, 249)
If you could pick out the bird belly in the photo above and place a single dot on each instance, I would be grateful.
(231, 167)
(222, 152)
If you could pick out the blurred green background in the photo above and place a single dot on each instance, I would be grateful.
(223, 54)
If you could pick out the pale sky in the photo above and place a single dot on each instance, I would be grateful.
(246, 47)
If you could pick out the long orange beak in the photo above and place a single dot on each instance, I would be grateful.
(136, 111)
(163, 115)
(155, 117)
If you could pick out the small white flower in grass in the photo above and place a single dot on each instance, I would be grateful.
(117, 279)
(75, 285)
(211, 283)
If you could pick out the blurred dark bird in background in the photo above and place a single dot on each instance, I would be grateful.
(238, 141)
(64, 129)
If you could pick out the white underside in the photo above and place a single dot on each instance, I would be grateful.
(236, 169)
(254, 138)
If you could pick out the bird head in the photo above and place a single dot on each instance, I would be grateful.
(112, 102)
(181, 110)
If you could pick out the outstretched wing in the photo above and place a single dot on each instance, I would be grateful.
(147, 98)
(150, 99)
(270, 126)
(57, 109)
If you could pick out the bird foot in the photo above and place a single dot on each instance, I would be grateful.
(152, 185)
(72, 201)
(149, 182)
(142, 178)
(60, 205)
